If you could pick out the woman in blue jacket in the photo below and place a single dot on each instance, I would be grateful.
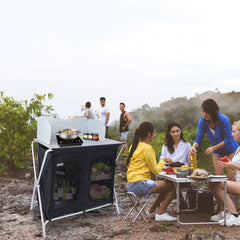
(218, 129)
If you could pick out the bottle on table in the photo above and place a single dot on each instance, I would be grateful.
(193, 161)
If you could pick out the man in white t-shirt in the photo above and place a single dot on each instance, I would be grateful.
(104, 114)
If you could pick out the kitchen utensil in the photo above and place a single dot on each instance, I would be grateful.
(68, 133)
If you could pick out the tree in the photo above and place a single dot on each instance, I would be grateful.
(17, 129)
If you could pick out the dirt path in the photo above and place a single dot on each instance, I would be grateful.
(18, 222)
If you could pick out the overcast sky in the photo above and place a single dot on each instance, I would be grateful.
(135, 51)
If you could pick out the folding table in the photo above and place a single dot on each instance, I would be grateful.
(178, 181)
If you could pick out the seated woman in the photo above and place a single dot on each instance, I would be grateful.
(233, 187)
(141, 161)
(176, 149)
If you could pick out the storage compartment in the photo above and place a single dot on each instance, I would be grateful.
(100, 180)
(76, 178)
(66, 182)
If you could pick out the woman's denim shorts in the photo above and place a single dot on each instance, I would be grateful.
(141, 188)
(222, 155)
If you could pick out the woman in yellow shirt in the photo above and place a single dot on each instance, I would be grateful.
(142, 161)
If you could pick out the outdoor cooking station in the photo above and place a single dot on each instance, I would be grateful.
(73, 175)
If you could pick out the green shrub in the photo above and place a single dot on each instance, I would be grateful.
(18, 128)
(157, 144)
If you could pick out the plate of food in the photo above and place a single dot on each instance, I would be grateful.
(200, 174)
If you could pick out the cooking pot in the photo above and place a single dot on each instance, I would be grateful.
(68, 133)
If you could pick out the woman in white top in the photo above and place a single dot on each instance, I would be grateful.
(233, 187)
(175, 148)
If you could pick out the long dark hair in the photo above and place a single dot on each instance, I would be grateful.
(168, 138)
(210, 106)
(140, 133)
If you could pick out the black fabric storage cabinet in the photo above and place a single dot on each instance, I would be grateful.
(75, 179)
(71, 180)
(75, 174)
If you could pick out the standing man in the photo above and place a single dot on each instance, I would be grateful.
(125, 120)
(104, 114)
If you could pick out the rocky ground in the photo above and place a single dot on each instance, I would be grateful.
(18, 222)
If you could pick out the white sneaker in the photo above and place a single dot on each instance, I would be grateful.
(230, 220)
(238, 221)
(164, 217)
(152, 214)
(217, 217)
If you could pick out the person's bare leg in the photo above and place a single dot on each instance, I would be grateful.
(218, 171)
(125, 148)
(157, 202)
(218, 193)
(163, 187)
(231, 174)
(167, 200)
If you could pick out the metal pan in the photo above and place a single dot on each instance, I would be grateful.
(68, 133)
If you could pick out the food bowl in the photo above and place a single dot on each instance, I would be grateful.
(68, 133)
(183, 172)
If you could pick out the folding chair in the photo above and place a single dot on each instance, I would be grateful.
(137, 203)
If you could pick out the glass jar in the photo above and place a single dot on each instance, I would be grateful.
(85, 135)
(95, 137)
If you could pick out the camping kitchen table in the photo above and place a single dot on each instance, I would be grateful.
(74, 179)
(173, 178)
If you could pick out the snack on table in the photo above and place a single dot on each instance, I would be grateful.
(199, 173)
(168, 170)
(184, 166)
(183, 169)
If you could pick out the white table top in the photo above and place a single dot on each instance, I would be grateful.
(86, 143)
(173, 178)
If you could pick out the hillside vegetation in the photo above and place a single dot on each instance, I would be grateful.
(18, 123)
(187, 111)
